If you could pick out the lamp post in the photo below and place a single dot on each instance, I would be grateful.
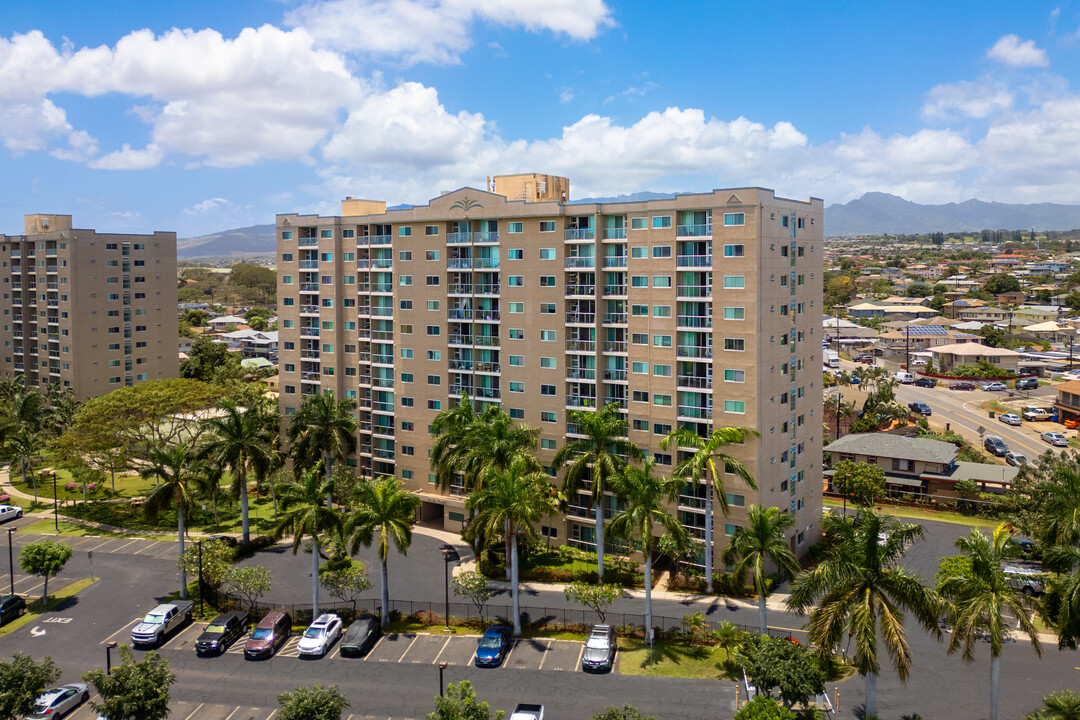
(442, 666)
(11, 559)
(200, 580)
(449, 555)
(55, 504)
(108, 656)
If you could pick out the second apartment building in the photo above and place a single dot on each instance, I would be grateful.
(702, 310)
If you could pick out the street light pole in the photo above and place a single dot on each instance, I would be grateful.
(200, 580)
(56, 506)
(11, 559)
(449, 555)
(108, 656)
(442, 666)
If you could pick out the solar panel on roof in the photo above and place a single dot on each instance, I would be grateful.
(926, 330)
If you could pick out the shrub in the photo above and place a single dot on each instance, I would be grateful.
(4, 498)
(764, 707)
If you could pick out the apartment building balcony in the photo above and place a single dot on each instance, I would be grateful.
(586, 374)
(491, 368)
(363, 311)
(311, 355)
(309, 332)
(581, 346)
(691, 502)
(52, 269)
(382, 407)
(486, 236)
(579, 262)
(614, 318)
(382, 359)
(459, 340)
(364, 449)
(579, 234)
(574, 429)
(364, 379)
(383, 430)
(580, 290)
(459, 238)
(309, 309)
(580, 402)
(614, 261)
(693, 261)
(381, 311)
(16, 268)
(694, 382)
(486, 263)
(382, 335)
(486, 288)
(695, 321)
(458, 263)
(382, 287)
(617, 400)
(383, 453)
(699, 352)
(307, 242)
(618, 233)
(309, 287)
(701, 231)
(615, 375)
(309, 264)
(694, 291)
(52, 286)
(580, 318)
(382, 382)
(459, 365)
(310, 377)
(615, 346)
(693, 412)
(615, 291)
(363, 287)
(363, 264)
(380, 239)
(476, 393)
(361, 242)
(381, 263)
(459, 289)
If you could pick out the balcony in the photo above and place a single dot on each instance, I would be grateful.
(695, 291)
(476, 393)
(459, 289)
(579, 234)
(382, 382)
(458, 263)
(486, 288)
(694, 261)
(485, 341)
(486, 263)
(308, 242)
(615, 346)
(588, 290)
(310, 355)
(614, 318)
(694, 412)
(698, 352)
(382, 287)
(377, 311)
(309, 264)
(580, 318)
(386, 430)
(382, 359)
(309, 287)
(694, 230)
(615, 290)
(691, 502)
(695, 321)
(459, 238)
(579, 262)
(580, 402)
(309, 332)
(588, 346)
(381, 263)
(363, 311)
(695, 382)
(581, 374)
(487, 367)
(615, 375)
(454, 339)
(614, 261)
(618, 233)
(309, 309)
(460, 365)
(486, 236)
(383, 454)
(379, 239)
(310, 377)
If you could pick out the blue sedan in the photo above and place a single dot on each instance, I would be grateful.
(493, 647)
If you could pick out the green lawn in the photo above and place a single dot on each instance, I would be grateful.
(69, 529)
(918, 514)
(670, 659)
(124, 515)
(126, 486)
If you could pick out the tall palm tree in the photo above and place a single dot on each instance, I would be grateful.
(646, 496)
(1061, 522)
(24, 445)
(495, 442)
(979, 595)
(511, 501)
(1061, 603)
(303, 514)
(1063, 705)
(448, 446)
(859, 587)
(708, 453)
(323, 428)
(386, 507)
(239, 440)
(763, 541)
(173, 467)
(601, 455)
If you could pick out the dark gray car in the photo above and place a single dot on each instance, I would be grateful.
(599, 649)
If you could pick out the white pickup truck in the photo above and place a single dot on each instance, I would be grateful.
(528, 711)
(161, 622)
(1032, 413)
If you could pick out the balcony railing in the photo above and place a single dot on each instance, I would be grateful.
(377, 311)
(382, 359)
(486, 263)
(694, 261)
(694, 230)
(309, 264)
(382, 263)
(615, 290)
(695, 291)
(459, 263)
(618, 346)
(310, 355)
(580, 262)
(615, 374)
(309, 309)
(578, 402)
(580, 318)
(580, 374)
(695, 321)
(382, 287)
(307, 242)
(614, 261)
(695, 412)
(486, 236)
(383, 430)
(380, 239)
(588, 346)
(579, 234)
(459, 238)
(690, 501)
(694, 351)
(614, 318)
(617, 233)
(309, 332)
(477, 393)
(309, 287)
(383, 382)
(487, 367)
(696, 382)
(486, 288)
(580, 290)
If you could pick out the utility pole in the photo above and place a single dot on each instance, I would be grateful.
(907, 349)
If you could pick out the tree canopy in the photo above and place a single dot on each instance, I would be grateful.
(136, 690)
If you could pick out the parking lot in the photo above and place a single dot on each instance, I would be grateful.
(214, 711)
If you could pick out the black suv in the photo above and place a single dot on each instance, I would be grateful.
(221, 633)
(1027, 384)
(926, 382)
(11, 607)
(996, 446)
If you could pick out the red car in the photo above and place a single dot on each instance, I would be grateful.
(963, 385)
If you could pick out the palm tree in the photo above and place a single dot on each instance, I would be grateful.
(208, 484)
(387, 507)
(860, 587)
(602, 455)
(1061, 603)
(174, 467)
(979, 595)
(511, 501)
(762, 542)
(323, 428)
(1061, 522)
(24, 445)
(448, 430)
(495, 442)
(702, 464)
(303, 514)
(1063, 705)
(239, 440)
(645, 496)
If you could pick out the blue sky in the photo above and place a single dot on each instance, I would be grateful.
(206, 115)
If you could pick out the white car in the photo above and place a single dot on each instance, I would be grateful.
(10, 512)
(1010, 419)
(1054, 438)
(59, 701)
(320, 635)
(993, 387)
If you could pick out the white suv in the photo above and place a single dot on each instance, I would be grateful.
(10, 512)
(320, 635)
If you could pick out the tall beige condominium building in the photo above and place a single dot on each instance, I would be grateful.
(90, 311)
(703, 310)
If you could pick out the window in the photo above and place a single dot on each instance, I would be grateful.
(661, 340)
(639, 310)
(405, 255)
(434, 404)
(547, 390)
(733, 251)
(662, 458)
(517, 387)
(639, 280)
(515, 308)
(736, 500)
(639, 223)
(661, 251)
(348, 279)
(431, 255)
(547, 308)
(547, 253)
(664, 400)
(405, 304)
(406, 377)
(661, 311)
(547, 226)
(639, 396)
(735, 344)
(515, 254)
(639, 252)
(801, 280)
(661, 281)
(434, 355)
(432, 304)
(432, 280)
(328, 325)
(434, 380)
(517, 361)
(348, 234)
(517, 413)
(547, 281)
(662, 370)
(547, 336)
(405, 280)
(661, 221)
(735, 406)
(326, 233)
(431, 230)
(287, 279)
(407, 402)
(639, 339)
(406, 329)
(737, 376)
(548, 444)
(515, 228)
(516, 333)
(734, 313)
(640, 424)
(404, 232)
(734, 219)
(326, 257)
(516, 281)
(548, 417)
(547, 363)
(734, 282)
(661, 429)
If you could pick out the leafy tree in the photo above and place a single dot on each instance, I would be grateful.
(22, 680)
(763, 707)
(919, 290)
(173, 467)
(259, 279)
(44, 558)
(951, 566)
(860, 588)
(992, 336)
(979, 599)
(1002, 283)
(448, 445)
(860, 482)
(474, 587)
(206, 358)
(646, 499)
(460, 703)
(217, 558)
(702, 464)
(249, 582)
(1063, 705)
(777, 663)
(598, 457)
(24, 446)
(313, 703)
(762, 541)
(595, 597)
(626, 712)
(346, 584)
(387, 508)
(303, 514)
(323, 428)
(134, 690)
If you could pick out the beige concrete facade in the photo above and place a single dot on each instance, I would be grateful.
(703, 310)
(91, 311)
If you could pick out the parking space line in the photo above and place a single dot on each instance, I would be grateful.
(123, 546)
(506, 660)
(272, 714)
(581, 654)
(76, 542)
(441, 649)
(169, 549)
(229, 717)
(130, 624)
(372, 650)
(149, 544)
(408, 648)
(103, 543)
(194, 711)
(545, 654)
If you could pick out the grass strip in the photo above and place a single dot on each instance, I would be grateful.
(34, 609)
(669, 659)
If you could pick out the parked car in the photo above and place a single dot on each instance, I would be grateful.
(11, 607)
(1010, 418)
(528, 711)
(599, 653)
(993, 387)
(1016, 459)
(925, 382)
(920, 407)
(1027, 580)
(360, 637)
(1054, 438)
(161, 622)
(1032, 413)
(59, 701)
(962, 385)
(904, 378)
(1027, 384)
(996, 446)
(222, 632)
(493, 647)
(863, 358)
(320, 636)
(229, 540)
(268, 636)
(10, 512)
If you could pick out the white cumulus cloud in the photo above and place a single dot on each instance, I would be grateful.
(1011, 50)
(129, 158)
(966, 99)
